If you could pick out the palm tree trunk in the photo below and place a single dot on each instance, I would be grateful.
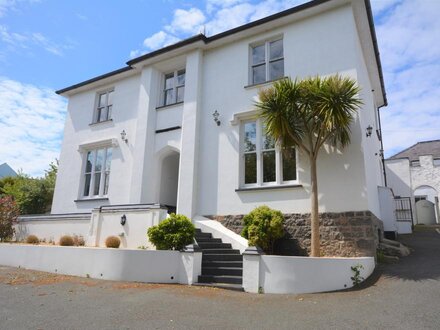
(314, 217)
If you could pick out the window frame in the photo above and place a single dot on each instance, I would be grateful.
(267, 59)
(279, 182)
(175, 87)
(97, 111)
(103, 173)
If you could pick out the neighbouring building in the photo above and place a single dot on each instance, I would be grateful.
(176, 129)
(6, 170)
(414, 176)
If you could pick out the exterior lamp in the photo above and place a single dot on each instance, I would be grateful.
(369, 130)
(124, 136)
(216, 115)
(123, 219)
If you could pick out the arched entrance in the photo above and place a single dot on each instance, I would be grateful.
(427, 205)
(169, 179)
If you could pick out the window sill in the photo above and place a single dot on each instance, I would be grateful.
(286, 186)
(169, 105)
(101, 122)
(91, 199)
(263, 83)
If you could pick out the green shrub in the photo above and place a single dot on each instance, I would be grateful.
(32, 239)
(8, 215)
(66, 240)
(173, 233)
(262, 227)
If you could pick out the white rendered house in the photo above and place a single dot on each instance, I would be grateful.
(177, 129)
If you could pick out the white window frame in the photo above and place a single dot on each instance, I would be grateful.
(93, 171)
(97, 112)
(267, 59)
(174, 88)
(259, 151)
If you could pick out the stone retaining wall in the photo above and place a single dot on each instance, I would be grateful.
(347, 234)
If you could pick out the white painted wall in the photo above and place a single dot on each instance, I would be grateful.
(108, 264)
(281, 274)
(107, 222)
(387, 209)
(399, 177)
(51, 229)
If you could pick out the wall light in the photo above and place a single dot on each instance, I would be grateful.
(123, 219)
(369, 130)
(124, 136)
(216, 115)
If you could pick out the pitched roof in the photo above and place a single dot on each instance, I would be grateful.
(6, 170)
(420, 149)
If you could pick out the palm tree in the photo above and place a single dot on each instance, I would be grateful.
(306, 114)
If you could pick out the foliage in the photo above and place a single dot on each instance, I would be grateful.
(8, 215)
(66, 240)
(380, 256)
(306, 115)
(32, 195)
(174, 233)
(262, 227)
(112, 242)
(357, 278)
(32, 239)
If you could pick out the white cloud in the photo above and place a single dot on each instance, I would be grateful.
(11, 5)
(14, 41)
(158, 40)
(407, 33)
(31, 122)
(186, 21)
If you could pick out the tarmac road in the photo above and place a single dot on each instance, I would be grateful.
(398, 296)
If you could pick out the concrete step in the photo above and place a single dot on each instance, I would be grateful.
(208, 240)
(220, 263)
(220, 251)
(214, 245)
(220, 279)
(222, 271)
(203, 235)
(225, 286)
(221, 257)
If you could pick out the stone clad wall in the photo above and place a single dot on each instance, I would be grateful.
(347, 234)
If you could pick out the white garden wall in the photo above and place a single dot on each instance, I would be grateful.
(285, 274)
(108, 264)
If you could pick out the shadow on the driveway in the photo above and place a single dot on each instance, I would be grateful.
(424, 261)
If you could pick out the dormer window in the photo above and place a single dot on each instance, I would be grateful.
(174, 87)
(104, 106)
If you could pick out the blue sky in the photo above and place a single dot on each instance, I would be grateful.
(46, 45)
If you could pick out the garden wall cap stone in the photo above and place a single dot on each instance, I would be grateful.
(253, 250)
(191, 248)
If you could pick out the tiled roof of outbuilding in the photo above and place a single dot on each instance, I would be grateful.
(420, 149)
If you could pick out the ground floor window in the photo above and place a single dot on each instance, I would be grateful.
(97, 172)
(265, 162)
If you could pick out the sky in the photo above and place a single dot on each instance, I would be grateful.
(46, 45)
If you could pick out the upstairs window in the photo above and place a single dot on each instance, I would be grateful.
(174, 87)
(415, 163)
(265, 162)
(97, 172)
(104, 106)
(436, 161)
(267, 61)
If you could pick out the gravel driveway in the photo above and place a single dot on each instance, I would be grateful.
(398, 296)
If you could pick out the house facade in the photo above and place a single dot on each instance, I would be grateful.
(177, 127)
(414, 175)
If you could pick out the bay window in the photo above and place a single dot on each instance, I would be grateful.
(264, 161)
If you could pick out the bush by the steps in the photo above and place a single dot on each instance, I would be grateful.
(173, 233)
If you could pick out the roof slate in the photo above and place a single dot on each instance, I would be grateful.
(420, 149)
(6, 170)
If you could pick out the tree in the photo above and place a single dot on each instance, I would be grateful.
(174, 233)
(8, 215)
(32, 195)
(307, 114)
